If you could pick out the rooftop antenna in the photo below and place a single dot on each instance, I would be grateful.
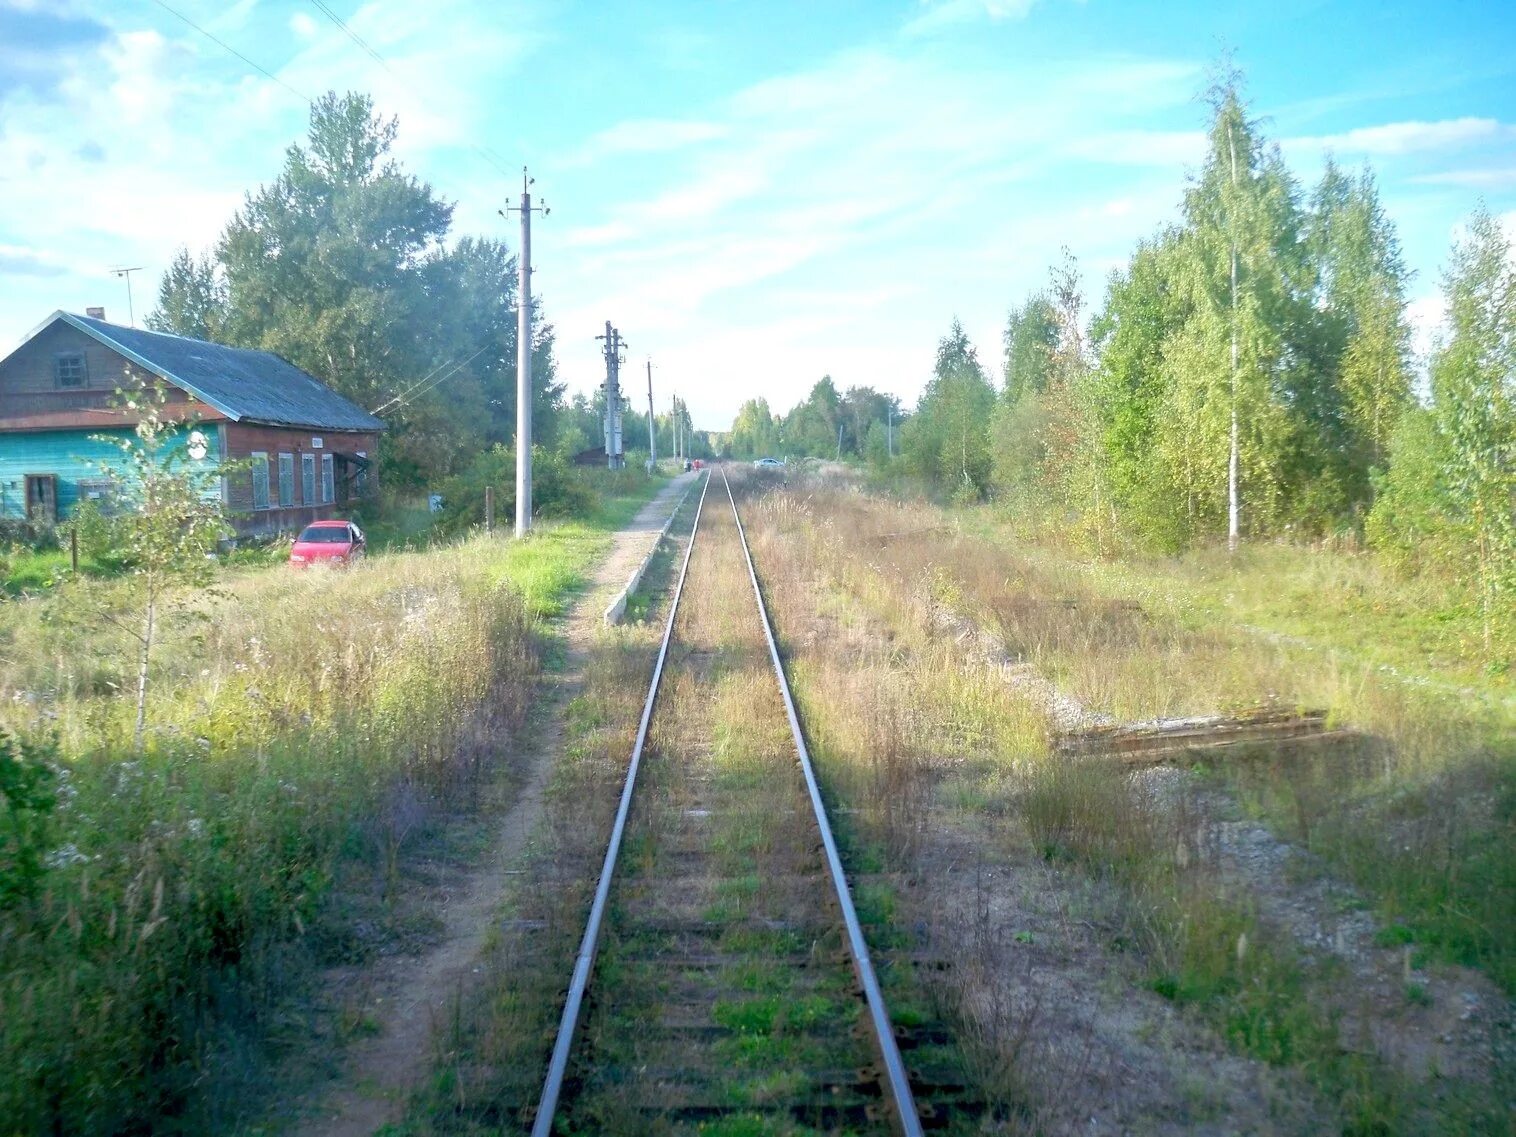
(131, 314)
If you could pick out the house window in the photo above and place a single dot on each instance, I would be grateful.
(328, 479)
(260, 480)
(307, 479)
(68, 370)
(286, 480)
(360, 479)
(98, 490)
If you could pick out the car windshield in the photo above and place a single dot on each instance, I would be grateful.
(325, 535)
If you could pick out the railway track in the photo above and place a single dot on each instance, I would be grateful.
(723, 983)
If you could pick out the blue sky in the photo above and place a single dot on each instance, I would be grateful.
(756, 194)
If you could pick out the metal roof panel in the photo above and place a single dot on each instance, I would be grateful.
(256, 386)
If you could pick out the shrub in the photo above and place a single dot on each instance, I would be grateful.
(101, 538)
(27, 778)
(558, 489)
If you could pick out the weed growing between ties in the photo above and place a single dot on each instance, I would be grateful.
(493, 1054)
(892, 722)
(859, 588)
(725, 998)
(312, 720)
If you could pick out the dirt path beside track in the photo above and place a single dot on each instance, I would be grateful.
(406, 996)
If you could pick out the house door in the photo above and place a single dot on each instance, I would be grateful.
(42, 497)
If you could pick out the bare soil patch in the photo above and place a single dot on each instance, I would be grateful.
(398, 1001)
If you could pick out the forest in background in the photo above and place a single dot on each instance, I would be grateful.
(1248, 375)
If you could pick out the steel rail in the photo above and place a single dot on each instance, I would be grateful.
(884, 1032)
(547, 1105)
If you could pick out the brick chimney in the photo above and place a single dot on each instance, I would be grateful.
(95, 313)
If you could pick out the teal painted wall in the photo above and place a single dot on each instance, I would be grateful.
(74, 456)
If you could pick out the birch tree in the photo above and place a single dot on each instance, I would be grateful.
(1474, 403)
(1360, 292)
(1235, 375)
(175, 520)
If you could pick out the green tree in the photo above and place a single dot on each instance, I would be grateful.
(1474, 403)
(191, 299)
(947, 440)
(1145, 307)
(1232, 427)
(343, 266)
(175, 519)
(1361, 282)
(862, 409)
(811, 426)
(1030, 339)
(755, 431)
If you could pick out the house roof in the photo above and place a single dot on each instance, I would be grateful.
(244, 385)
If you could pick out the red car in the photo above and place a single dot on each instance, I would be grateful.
(328, 543)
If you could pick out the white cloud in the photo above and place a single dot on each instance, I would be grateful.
(1494, 178)
(939, 14)
(152, 138)
(837, 181)
(1400, 138)
(303, 25)
(646, 136)
(1169, 149)
(22, 261)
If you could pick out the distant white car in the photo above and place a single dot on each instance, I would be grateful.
(769, 464)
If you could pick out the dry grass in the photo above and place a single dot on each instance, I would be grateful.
(491, 1060)
(309, 720)
(917, 732)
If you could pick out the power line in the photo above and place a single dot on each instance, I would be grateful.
(363, 45)
(354, 36)
(413, 386)
(421, 386)
(306, 99)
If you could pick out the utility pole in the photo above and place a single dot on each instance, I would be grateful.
(889, 429)
(524, 355)
(652, 420)
(126, 273)
(615, 459)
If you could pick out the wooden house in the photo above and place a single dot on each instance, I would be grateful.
(296, 450)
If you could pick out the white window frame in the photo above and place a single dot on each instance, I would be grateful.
(286, 480)
(307, 479)
(260, 466)
(328, 480)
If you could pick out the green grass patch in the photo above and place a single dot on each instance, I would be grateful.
(306, 725)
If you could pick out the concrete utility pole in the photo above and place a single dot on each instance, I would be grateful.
(524, 355)
(615, 459)
(889, 430)
(652, 420)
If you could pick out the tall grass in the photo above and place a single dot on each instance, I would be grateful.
(911, 726)
(303, 718)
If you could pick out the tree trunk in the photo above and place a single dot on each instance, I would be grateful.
(142, 661)
(1234, 506)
